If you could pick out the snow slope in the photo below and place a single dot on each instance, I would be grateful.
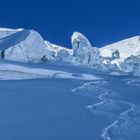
(6, 31)
(62, 101)
(126, 48)
(126, 57)
(83, 93)
(11, 71)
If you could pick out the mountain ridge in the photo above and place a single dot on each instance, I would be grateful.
(28, 46)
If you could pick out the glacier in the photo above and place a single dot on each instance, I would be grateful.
(28, 46)
(52, 92)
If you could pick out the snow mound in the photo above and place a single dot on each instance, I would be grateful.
(24, 46)
(10, 71)
(130, 65)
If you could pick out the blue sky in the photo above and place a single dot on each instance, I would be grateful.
(102, 21)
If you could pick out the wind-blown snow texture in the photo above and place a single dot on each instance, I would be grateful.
(82, 93)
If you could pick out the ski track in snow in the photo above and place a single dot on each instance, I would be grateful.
(106, 131)
(123, 119)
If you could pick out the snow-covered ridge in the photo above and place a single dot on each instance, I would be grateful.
(28, 46)
(127, 47)
(6, 31)
(127, 52)
(58, 52)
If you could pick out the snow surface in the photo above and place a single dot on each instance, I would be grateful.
(127, 47)
(62, 101)
(110, 53)
(83, 93)
(59, 52)
(6, 31)
(18, 72)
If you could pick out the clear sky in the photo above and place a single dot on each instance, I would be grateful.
(102, 21)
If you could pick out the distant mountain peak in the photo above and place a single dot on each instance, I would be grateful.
(126, 47)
